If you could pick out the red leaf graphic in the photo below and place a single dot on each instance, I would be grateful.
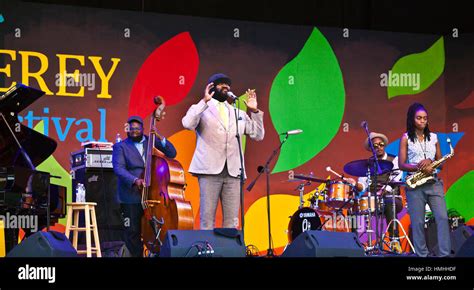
(169, 71)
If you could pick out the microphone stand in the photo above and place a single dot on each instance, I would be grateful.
(261, 170)
(241, 175)
(375, 175)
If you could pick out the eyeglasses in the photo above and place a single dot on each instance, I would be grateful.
(377, 145)
(135, 129)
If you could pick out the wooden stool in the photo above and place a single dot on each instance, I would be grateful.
(91, 225)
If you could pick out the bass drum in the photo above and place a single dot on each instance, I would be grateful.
(304, 219)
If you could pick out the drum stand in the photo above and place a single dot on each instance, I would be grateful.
(369, 231)
(300, 188)
(377, 248)
(368, 217)
(373, 245)
(395, 222)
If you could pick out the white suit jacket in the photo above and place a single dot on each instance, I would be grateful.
(216, 145)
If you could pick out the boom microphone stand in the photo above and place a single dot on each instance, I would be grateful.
(376, 171)
(265, 169)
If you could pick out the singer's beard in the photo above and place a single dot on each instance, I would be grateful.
(220, 96)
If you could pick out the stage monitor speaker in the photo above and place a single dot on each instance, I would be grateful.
(463, 241)
(44, 244)
(101, 187)
(458, 237)
(203, 243)
(325, 244)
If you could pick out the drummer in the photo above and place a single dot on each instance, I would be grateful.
(380, 141)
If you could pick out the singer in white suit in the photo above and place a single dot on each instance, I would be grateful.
(216, 161)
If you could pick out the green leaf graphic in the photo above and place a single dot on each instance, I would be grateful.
(308, 94)
(52, 166)
(459, 195)
(414, 73)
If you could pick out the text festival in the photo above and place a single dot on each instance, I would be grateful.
(34, 65)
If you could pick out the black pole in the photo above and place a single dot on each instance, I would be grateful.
(375, 174)
(270, 244)
(241, 176)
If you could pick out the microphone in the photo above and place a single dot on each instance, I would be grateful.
(363, 124)
(292, 132)
(231, 95)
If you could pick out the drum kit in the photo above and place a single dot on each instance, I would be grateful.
(337, 207)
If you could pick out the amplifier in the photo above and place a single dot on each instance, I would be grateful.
(101, 188)
(92, 158)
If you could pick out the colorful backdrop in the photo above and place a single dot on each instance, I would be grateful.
(97, 67)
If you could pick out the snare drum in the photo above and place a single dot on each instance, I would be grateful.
(339, 193)
(303, 220)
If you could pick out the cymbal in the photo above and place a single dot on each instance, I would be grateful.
(360, 167)
(310, 178)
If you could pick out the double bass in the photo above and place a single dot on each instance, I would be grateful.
(163, 199)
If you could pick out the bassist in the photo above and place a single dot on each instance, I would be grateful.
(129, 163)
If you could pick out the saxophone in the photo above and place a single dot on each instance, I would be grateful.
(420, 177)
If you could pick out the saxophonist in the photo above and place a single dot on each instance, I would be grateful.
(418, 149)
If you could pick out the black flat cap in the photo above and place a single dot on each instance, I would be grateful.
(219, 78)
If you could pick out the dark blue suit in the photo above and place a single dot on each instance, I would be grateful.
(128, 166)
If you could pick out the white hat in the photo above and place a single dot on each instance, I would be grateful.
(373, 135)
